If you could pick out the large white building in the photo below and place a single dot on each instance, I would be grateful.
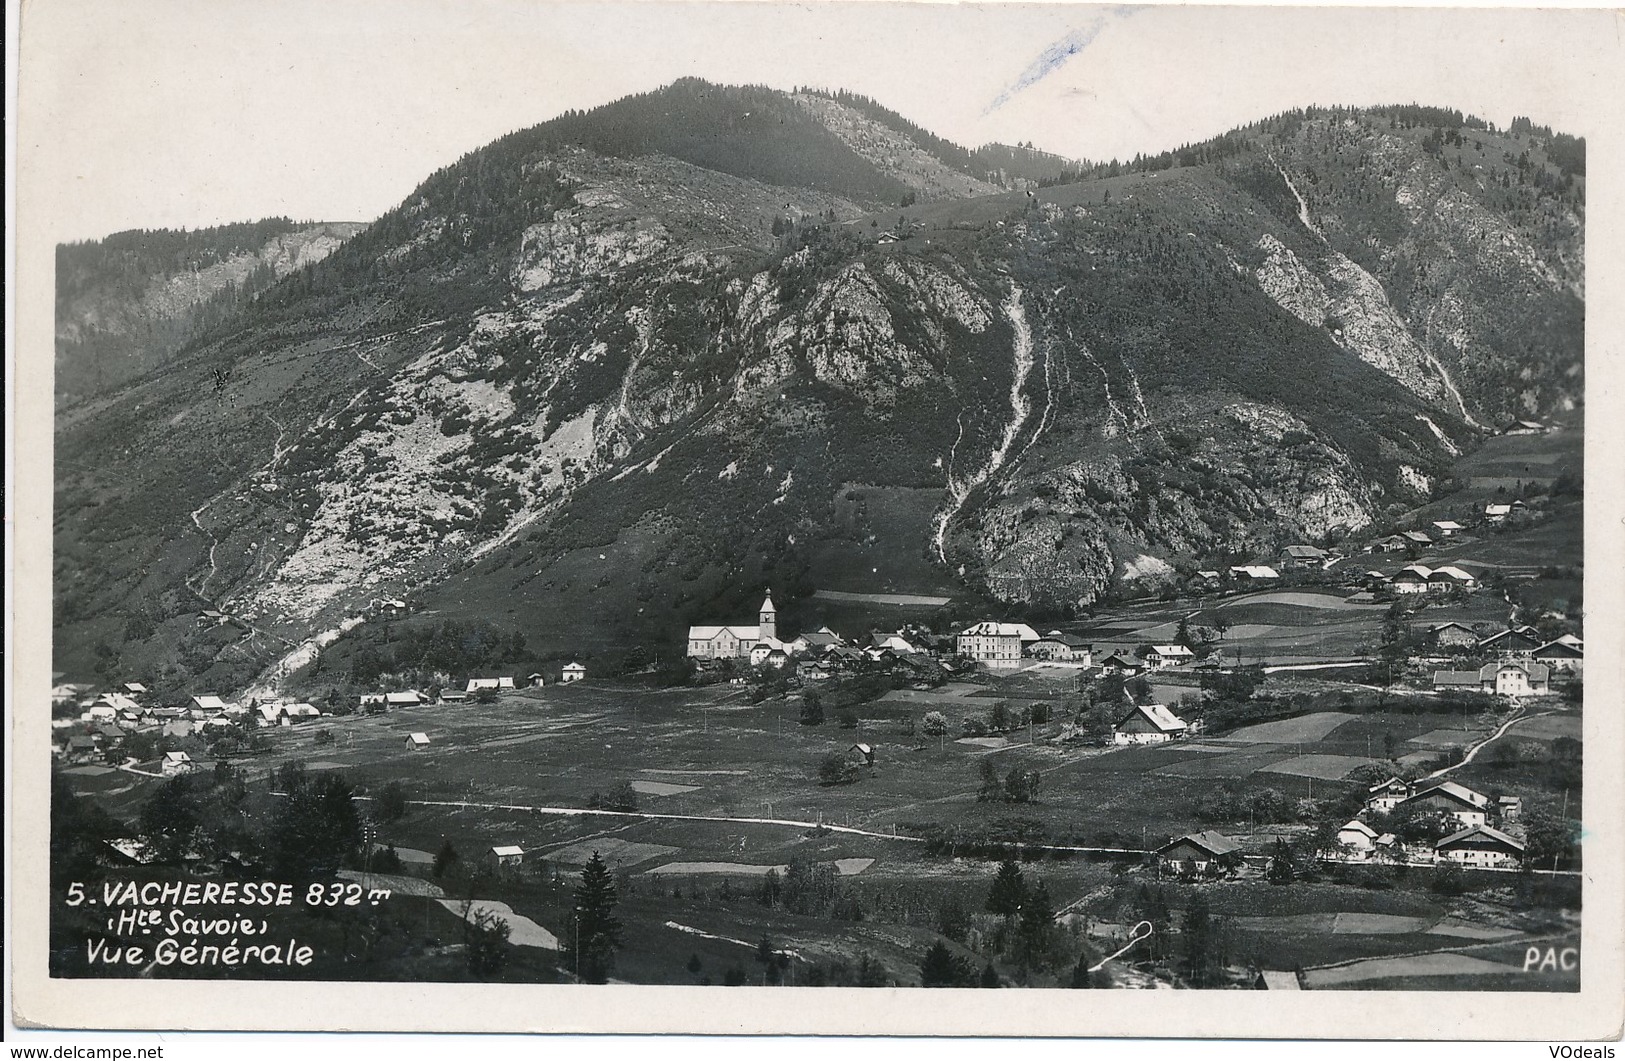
(737, 642)
(995, 644)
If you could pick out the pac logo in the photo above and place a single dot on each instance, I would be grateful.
(1551, 960)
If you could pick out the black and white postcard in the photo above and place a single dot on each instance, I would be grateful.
(819, 518)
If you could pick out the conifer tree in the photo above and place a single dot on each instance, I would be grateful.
(598, 930)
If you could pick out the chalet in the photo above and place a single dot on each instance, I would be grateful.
(405, 698)
(1394, 543)
(1452, 577)
(417, 742)
(176, 763)
(812, 670)
(1446, 528)
(1301, 556)
(1383, 797)
(1514, 643)
(1202, 854)
(110, 732)
(1509, 807)
(536, 681)
(1480, 847)
(1168, 656)
(865, 752)
(1416, 538)
(761, 652)
(995, 644)
(816, 643)
(1499, 513)
(1413, 579)
(1117, 663)
(300, 712)
(271, 715)
(1148, 724)
(1254, 573)
(1452, 635)
(1064, 647)
(453, 696)
(1358, 838)
(507, 856)
(208, 704)
(895, 642)
(1560, 657)
(100, 713)
(1208, 577)
(476, 685)
(573, 672)
(82, 749)
(1524, 427)
(734, 642)
(1447, 798)
(135, 689)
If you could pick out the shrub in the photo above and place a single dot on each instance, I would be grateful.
(837, 769)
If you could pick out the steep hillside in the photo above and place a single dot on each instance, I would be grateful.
(613, 374)
(124, 304)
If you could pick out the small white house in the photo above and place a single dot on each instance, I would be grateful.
(417, 742)
(176, 763)
(508, 856)
(573, 672)
(1357, 838)
(1148, 724)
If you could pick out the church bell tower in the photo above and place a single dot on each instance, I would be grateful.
(768, 620)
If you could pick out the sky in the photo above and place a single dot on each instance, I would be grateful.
(186, 113)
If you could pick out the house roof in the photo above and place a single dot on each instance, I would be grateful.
(177, 757)
(1210, 841)
(1158, 715)
(507, 850)
(1207, 574)
(1559, 649)
(989, 628)
(572, 667)
(1456, 573)
(1390, 783)
(1484, 831)
(1536, 672)
(134, 687)
(1255, 571)
(1447, 524)
(1069, 640)
(409, 696)
(1450, 678)
(1172, 650)
(419, 738)
(1416, 536)
(1459, 793)
(1435, 628)
(209, 703)
(1360, 827)
(1305, 552)
(1510, 635)
(1497, 510)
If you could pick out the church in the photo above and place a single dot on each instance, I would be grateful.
(758, 643)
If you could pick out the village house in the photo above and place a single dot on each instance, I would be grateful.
(1117, 663)
(1524, 427)
(1515, 643)
(1416, 538)
(1412, 579)
(1254, 573)
(1452, 635)
(1295, 557)
(1451, 577)
(1447, 798)
(812, 670)
(736, 642)
(1384, 796)
(1446, 528)
(1168, 656)
(573, 672)
(1500, 513)
(1357, 838)
(507, 856)
(1393, 543)
(1068, 648)
(994, 644)
(1204, 854)
(1148, 724)
(454, 696)
(535, 681)
(417, 742)
(476, 685)
(1480, 847)
(176, 763)
(815, 643)
(405, 698)
(208, 704)
(1560, 657)
(135, 689)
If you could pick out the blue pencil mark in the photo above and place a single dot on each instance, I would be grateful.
(1054, 57)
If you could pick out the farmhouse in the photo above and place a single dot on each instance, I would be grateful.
(406, 698)
(1299, 556)
(1394, 543)
(995, 644)
(1524, 427)
(735, 642)
(1452, 635)
(819, 641)
(453, 696)
(1254, 573)
(1513, 678)
(507, 856)
(1198, 854)
(1117, 663)
(1413, 579)
(575, 672)
(1447, 797)
(1416, 538)
(1168, 656)
(208, 704)
(1148, 724)
(1066, 647)
(1497, 513)
(476, 685)
(1446, 528)
(1480, 846)
(1385, 796)
(417, 742)
(1519, 641)
(1560, 657)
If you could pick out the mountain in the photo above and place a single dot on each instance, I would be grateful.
(615, 373)
(125, 303)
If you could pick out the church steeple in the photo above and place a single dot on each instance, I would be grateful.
(768, 618)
